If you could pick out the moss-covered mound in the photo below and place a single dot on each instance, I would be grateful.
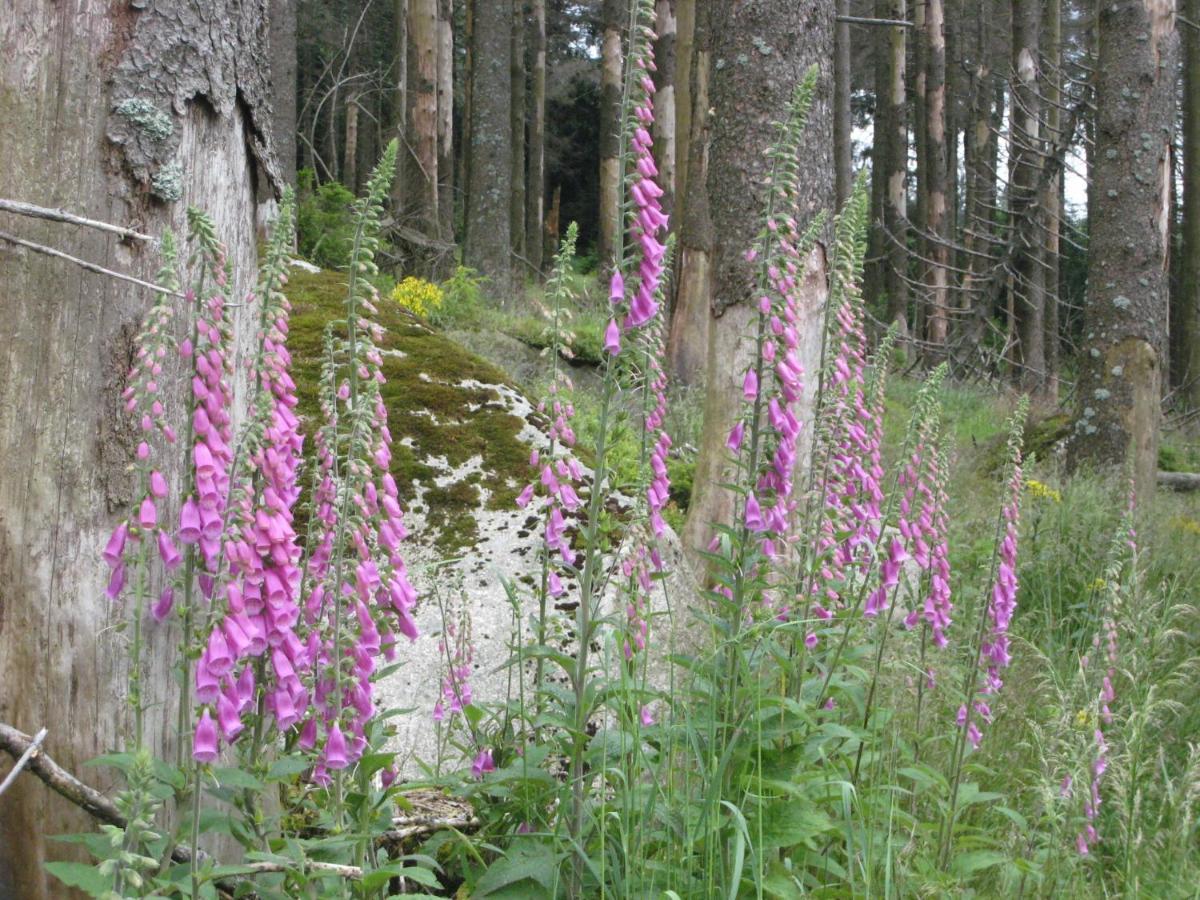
(456, 432)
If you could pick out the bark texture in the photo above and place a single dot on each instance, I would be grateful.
(517, 118)
(283, 85)
(421, 208)
(445, 131)
(1051, 200)
(895, 207)
(1125, 315)
(664, 102)
(935, 178)
(687, 346)
(1028, 301)
(842, 152)
(1185, 326)
(611, 61)
(487, 243)
(535, 181)
(67, 339)
(760, 51)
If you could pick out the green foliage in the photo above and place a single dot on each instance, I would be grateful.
(324, 222)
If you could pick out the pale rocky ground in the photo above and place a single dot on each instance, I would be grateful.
(507, 547)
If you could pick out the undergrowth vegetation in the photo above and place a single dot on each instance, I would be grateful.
(921, 661)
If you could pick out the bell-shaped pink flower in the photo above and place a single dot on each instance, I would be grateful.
(229, 718)
(162, 608)
(116, 582)
(335, 749)
(483, 763)
(166, 549)
(115, 548)
(204, 742)
(158, 484)
(189, 522)
(750, 385)
(612, 338)
(734, 441)
(616, 287)
(148, 514)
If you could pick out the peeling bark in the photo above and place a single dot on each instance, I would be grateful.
(66, 342)
(759, 52)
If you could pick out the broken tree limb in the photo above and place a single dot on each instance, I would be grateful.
(1179, 481)
(25, 757)
(430, 810)
(31, 211)
(84, 264)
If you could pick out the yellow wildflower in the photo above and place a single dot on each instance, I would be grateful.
(1191, 526)
(1098, 585)
(418, 296)
(1043, 491)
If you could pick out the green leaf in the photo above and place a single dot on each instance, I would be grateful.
(80, 875)
(287, 767)
(525, 862)
(236, 778)
(966, 864)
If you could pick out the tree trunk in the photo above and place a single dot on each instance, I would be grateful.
(685, 33)
(687, 346)
(464, 150)
(935, 156)
(517, 126)
(1125, 317)
(982, 148)
(1051, 201)
(350, 146)
(69, 336)
(487, 242)
(445, 136)
(881, 144)
(920, 119)
(535, 182)
(400, 103)
(1185, 327)
(895, 208)
(283, 85)
(843, 161)
(751, 88)
(611, 59)
(664, 103)
(1029, 281)
(421, 209)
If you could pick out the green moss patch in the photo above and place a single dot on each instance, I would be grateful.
(442, 411)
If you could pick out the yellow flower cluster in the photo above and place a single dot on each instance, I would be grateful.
(418, 296)
(1191, 526)
(1043, 491)
(1098, 585)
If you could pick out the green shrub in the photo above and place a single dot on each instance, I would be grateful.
(324, 226)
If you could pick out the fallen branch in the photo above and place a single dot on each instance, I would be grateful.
(18, 745)
(60, 215)
(84, 264)
(1180, 481)
(28, 753)
(25, 757)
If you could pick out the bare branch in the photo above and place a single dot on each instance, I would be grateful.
(20, 208)
(84, 264)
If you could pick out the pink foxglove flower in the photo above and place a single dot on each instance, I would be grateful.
(482, 764)
(204, 741)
